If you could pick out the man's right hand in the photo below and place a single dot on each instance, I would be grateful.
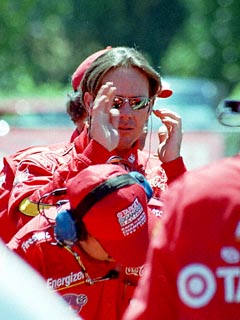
(104, 118)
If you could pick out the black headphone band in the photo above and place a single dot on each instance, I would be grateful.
(99, 193)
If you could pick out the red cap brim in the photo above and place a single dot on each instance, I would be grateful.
(166, 91)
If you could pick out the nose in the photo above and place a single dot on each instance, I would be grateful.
(126, 110)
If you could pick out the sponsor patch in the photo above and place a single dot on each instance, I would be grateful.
(132, 218)
(76, 301)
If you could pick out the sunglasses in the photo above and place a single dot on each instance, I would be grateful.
(136, 103)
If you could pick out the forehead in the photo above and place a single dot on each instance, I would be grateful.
(128, 81)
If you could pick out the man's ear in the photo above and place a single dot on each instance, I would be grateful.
(88, 101)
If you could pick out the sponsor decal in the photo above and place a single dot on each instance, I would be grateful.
(197, 284)
(157, 212)
(38, 236)
(131, 218)
(157, 182)
(21, 177)
(72, 278)
(131, 158)
(76, 301)
(137, 271)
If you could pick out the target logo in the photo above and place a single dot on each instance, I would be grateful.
(197, 284)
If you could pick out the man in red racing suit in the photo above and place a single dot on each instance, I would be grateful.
(42, 172)
(91, 275)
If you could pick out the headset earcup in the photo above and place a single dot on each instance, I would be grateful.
(65, 229)
(143, 182)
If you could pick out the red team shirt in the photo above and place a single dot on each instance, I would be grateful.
(193, 267)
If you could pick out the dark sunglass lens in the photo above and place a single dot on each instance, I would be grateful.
(139, 103)
(117, 102)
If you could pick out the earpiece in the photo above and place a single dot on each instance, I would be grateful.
(143, 182)
(65, 229)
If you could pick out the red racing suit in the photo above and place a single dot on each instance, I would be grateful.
(193, 265)
(40, 172)
(105, 295)
(8, 180)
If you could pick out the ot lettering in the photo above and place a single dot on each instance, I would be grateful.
(197, 284)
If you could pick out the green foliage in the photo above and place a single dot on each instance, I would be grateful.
(235, 94)
(35, 49)
(208, 44)
(42, 42)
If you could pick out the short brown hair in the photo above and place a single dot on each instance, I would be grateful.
(115, 58)
(74, 107)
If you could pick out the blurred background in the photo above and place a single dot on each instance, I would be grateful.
(194, 44)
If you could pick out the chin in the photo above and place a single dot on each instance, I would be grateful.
(125, 146)
(127, 140)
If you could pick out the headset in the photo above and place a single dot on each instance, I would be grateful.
(70, 227)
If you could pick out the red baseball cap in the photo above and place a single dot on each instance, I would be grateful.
(82, 68)
(118, 217)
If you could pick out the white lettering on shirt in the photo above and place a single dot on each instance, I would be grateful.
(197, 284)
(37, 236)
(65, 281)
